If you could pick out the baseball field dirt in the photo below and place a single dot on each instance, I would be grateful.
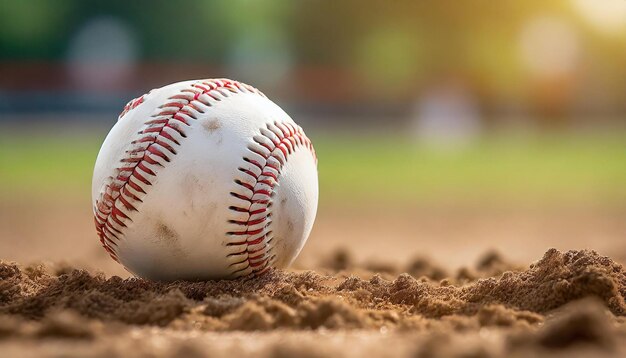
(566, 303)
(339, 300)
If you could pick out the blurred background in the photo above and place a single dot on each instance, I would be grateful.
(443, 129)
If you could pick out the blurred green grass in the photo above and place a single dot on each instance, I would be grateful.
(560, 167)
(365, 168)
(38, 164)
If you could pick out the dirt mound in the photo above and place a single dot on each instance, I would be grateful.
(310, 300)
(46, 303)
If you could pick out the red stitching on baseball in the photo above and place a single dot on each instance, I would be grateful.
(285, 137)
(154, 142)
(131, 105)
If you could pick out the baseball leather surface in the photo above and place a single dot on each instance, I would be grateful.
(204, 179)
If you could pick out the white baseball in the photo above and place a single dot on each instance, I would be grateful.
(204, 179)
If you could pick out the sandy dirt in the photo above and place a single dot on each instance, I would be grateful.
(449, 281)
(566, 303)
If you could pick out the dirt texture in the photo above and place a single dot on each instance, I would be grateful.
(565, 304)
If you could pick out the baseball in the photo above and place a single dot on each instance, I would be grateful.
(204, 179)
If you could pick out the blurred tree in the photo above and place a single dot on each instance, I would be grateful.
(34, 29)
